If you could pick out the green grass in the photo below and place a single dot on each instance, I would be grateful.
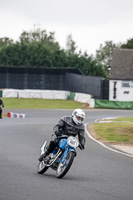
(23, 103)
(119, 131)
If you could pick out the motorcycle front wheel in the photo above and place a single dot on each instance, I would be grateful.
(41, 169)
(63, 168)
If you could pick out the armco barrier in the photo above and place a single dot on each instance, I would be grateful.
(15, 115)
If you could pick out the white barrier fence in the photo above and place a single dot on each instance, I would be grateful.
(48, 94)
(40, 94)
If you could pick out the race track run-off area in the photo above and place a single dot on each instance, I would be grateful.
(96, 174)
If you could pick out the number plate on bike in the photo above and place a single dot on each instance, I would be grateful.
(72, 141)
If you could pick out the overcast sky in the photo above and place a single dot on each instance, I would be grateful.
(91, 22)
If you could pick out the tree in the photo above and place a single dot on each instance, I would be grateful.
(5, 42)
(70, 45)
(38, 35)
(39, 49)
(104, 54)
(128, 44)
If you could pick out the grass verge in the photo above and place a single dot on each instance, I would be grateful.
(23, 103)
(119, 131)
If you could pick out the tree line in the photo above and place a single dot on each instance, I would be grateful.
(40, 49)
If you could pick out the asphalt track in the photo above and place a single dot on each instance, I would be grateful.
(96, 174)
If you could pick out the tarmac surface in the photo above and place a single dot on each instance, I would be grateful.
(96, 173)
(125, 148)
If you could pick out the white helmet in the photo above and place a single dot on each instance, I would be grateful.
(78, 116)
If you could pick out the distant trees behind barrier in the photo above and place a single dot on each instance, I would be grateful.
(40, 49)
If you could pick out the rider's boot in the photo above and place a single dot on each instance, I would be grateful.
(49, 150)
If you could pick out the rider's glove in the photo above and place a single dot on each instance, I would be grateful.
(81, 146)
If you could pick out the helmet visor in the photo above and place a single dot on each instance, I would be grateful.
(79, 118)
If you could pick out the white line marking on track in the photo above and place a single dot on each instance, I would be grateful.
(116, 151)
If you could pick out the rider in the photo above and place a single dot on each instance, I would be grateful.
(70, 126)
(1, 105)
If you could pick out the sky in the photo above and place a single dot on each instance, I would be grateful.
(90, 22)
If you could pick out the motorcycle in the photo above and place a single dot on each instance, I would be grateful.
(61, 158)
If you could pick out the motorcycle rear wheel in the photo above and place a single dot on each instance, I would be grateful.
(62, 169)
(41, 169)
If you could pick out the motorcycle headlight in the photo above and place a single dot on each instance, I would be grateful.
(72, 141)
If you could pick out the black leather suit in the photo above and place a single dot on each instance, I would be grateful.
(1, 105)
(66, 126)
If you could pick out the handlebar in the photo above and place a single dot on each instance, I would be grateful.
(63, 136)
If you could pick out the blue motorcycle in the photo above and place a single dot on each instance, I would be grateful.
(61, 158)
